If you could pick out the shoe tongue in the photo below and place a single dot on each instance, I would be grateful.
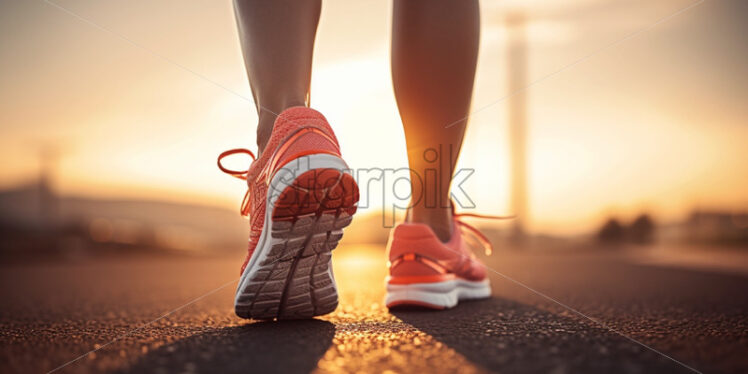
(297, 113)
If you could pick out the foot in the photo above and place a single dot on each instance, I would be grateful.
(299, 199)
(426, 272)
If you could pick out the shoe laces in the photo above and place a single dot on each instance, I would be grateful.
(240, 174)
(477, 235)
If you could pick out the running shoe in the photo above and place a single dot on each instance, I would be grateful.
(300, 196)
(426, 272)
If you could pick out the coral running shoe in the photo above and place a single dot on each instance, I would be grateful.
(426, 272)
(300, 197)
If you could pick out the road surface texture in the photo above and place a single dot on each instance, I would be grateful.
(55, 313)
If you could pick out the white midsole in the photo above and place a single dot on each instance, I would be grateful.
(443, 294)
(282, 179)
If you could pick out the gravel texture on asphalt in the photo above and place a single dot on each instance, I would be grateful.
(54, 313)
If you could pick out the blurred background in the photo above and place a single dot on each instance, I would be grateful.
(602, 124)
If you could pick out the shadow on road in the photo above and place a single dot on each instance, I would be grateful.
(506, 336)
(262, 347)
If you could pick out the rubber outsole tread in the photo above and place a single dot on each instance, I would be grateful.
(295, 280)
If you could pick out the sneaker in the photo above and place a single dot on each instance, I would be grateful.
(300, 197)
(426, 272)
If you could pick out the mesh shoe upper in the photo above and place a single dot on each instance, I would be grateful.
(416, 255)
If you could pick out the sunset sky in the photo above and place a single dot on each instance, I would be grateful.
(140, 97)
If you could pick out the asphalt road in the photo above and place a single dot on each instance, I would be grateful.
(53, 313)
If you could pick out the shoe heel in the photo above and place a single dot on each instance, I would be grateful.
(293, 276)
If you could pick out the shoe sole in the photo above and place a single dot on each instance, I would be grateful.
(310, 201)
(436, 295)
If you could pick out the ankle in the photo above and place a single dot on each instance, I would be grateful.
(439, 219)
(264, 130)
(267, 116)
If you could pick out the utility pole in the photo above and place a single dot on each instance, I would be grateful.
(517, 117)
